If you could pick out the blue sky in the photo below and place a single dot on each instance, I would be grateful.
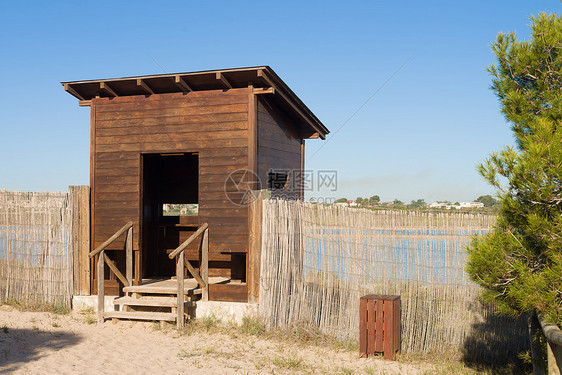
(420, 136)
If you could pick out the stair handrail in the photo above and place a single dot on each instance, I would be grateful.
(104, 259)
(111, 239)
(202, 276)
(187, 242)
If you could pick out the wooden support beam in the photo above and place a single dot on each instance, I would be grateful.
(115, 270)
(104, 86)
(180, 82)
(264, 90)
(69, 88)
(145, 87)
(193, 272)
(222, 78)
(85, 103)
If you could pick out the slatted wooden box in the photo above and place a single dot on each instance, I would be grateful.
(379, 325)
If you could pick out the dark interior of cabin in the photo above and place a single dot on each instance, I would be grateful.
(170, 209)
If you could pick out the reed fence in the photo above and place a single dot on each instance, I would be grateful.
(317, 261)
(36, 247)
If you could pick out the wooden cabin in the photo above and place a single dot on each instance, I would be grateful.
(170, 152)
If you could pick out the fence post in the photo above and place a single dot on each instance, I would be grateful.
(181, 292)
(205, 265)
(254, 247)
(553, 337)
(79, 197)
(101, 291)
(129, 256)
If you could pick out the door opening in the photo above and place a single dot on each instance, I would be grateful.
(170, 208)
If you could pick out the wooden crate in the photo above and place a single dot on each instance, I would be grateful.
(379, 325)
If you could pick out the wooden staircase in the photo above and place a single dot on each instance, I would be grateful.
(154, 301)
(162, 300)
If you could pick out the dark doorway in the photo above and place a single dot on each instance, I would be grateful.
(170, 208)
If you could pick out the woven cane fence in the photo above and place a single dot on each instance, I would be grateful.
(317, 261)
(35, 247)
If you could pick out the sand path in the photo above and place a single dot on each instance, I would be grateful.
(44, 343)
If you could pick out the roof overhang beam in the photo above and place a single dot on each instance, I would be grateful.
(222, 78)
(69, 89)
(105, 87)
(264, 90)
(180, 82)
(145, 87)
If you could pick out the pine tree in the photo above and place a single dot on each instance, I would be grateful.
(519, 263)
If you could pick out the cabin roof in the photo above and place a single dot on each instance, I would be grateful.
(262, 78)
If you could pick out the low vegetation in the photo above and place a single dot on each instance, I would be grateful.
(59, 308)
(253, 325)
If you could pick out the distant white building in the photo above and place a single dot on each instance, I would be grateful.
(470, 205)
(448, 206)
(440, 205)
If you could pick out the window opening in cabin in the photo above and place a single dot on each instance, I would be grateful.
(180, 209)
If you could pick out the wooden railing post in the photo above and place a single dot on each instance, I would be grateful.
(204, 265)
(129, 256)
(101, 291)
(181, 292)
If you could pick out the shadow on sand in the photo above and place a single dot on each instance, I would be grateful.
(494, 345)
(20, 346)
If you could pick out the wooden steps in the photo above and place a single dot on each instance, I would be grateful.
(155, 300)
(151, 301)
(160, 290)
(141, 315)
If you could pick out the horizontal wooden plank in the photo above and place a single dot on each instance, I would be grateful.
(104, 188)
(233, 211)
(221, 160)
(224, 169)
(112, 156)
(186, 120)
(228, 292)
(293, 147)
(170, 96)
(176, 102)
(271, 129)
(100, 179)
(172, 128)
(268, 154)
(115, 197)
(215, 222)
(216, 205)
(110, 211)
(206, 154)
(172, 137)
(171, 147)
(103, 204)
(151, 301)
(213, 152)
(174, 111)
(118, 222)
(120, 167)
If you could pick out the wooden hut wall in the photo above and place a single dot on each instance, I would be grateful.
(279, 147)
(211, 123)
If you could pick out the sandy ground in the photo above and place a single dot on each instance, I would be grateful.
(44, 343)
